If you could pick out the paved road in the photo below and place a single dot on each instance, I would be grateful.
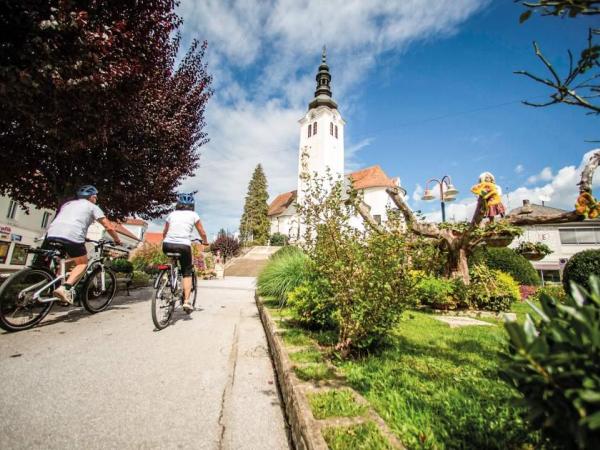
(111, 381)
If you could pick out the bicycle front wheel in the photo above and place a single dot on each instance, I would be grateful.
(98, 290)
(18, 309)
(163, 302)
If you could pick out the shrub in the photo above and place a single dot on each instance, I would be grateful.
(509, 261)
(284, 251)
(527, 291)
(438, 292)
(282, 274)
(555, 291)
(226, 244)
(278, 239)
(147, 257)
(312, 304)
(121, 265)
(579, 268)
(140, 279)
(555, 363)
(492, 290)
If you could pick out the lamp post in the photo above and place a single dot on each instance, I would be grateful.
(448, 192)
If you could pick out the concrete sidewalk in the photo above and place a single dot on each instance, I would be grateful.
(111, 381)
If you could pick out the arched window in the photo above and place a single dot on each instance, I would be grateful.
(309, 130)
(336, 131)
(331, 128)
(315, 128)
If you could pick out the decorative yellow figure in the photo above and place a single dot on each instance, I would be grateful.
(587, 206)
(491, 195)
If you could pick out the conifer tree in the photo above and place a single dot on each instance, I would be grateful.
(254, 225)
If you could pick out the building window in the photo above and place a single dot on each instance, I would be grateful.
(19, 255)
(579, 236)
(309, 130)
(331, 128)
(336, 131)
(12, 210)
(550, 276)
(4, 246)
(315, 128)
(46, 219)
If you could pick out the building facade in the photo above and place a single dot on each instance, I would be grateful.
(20, 230)
(321, 154)
(564, 239)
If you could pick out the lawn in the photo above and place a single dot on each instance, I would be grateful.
(438, 387)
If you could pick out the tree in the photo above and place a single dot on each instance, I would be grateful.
(254, 224)
(460, 240)
(581, 85)
(91, 95)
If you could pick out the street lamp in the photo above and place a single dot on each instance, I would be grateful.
(448, 192)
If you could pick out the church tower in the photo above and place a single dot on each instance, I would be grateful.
(321, 132)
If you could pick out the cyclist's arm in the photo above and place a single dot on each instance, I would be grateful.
(201, 232)
(110, 229)
(165, 230)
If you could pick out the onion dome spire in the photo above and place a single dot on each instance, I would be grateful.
(323, 91)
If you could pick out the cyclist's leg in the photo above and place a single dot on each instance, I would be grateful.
(77, 272)
(186, 272)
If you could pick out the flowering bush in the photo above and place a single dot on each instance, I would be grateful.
(492, 290)
(147, 257)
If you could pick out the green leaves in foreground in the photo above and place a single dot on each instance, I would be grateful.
(555, 363)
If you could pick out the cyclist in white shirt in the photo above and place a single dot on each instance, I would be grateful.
(177, 238)
(69, 228)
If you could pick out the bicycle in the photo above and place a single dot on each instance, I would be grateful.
(169, 292)
(26, 297)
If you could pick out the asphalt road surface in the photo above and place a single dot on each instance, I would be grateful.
(111, 380)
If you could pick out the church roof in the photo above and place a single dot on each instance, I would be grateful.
(281, 203)
(323, 96)
(373, 176)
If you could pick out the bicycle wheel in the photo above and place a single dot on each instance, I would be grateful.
(93, 298)
(18, 309)
(163, 301)
(194, 290)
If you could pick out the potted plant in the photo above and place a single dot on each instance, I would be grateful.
(500, 233)
(533, 251)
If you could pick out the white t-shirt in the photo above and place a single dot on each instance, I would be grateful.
(74, 219)
(181, 226)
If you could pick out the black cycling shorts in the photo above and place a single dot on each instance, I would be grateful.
(73, 249)
(185, 256)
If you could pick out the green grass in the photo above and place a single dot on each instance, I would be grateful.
(438, 387)
(364, 436)
(335, 403)
(309, 355)
(295, 337)
(314, 372)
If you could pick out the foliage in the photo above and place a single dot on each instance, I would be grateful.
(492, 290)
(335, 403)
(442, 293)
(282, 275)
(365, 274)
(527, 291)
(286, 250)
(254, 224)
(226, 244)
(555, 363)
(360, 436)
(278, 239)
(533, 247)
(312, 303)
(554, 291)
(147, 257)
(140, 279)
(91, 95)
(509, 261)
(580, 85)
(121, 265)
(497, 228)
(579, 267)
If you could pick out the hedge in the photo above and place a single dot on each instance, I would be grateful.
(580, 267)
(508, 261)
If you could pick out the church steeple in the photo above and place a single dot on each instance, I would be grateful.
(323, 91)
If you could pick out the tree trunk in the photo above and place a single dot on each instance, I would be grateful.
(457, 264)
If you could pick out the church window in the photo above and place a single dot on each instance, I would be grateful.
(315, 128)
(336, 131)
(331, 128)
(309, 130)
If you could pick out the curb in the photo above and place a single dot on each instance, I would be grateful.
(305, 430)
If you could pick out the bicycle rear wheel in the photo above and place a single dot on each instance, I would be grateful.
(194, 293)
(18, 310)
(93, 297)
(163, 302)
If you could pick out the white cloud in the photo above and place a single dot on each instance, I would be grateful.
(544, 175)
(263, 56)
(519, 168)
(560, 192)
(417, 193)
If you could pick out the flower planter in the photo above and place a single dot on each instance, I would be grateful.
(499, 241)
(533, 256)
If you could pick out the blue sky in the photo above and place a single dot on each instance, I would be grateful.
(426, 88)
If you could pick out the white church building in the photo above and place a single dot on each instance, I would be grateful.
(322, 142)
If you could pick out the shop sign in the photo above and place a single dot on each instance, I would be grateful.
(16, 237)
(5, 229)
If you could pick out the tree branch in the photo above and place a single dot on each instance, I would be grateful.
(364, 210)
